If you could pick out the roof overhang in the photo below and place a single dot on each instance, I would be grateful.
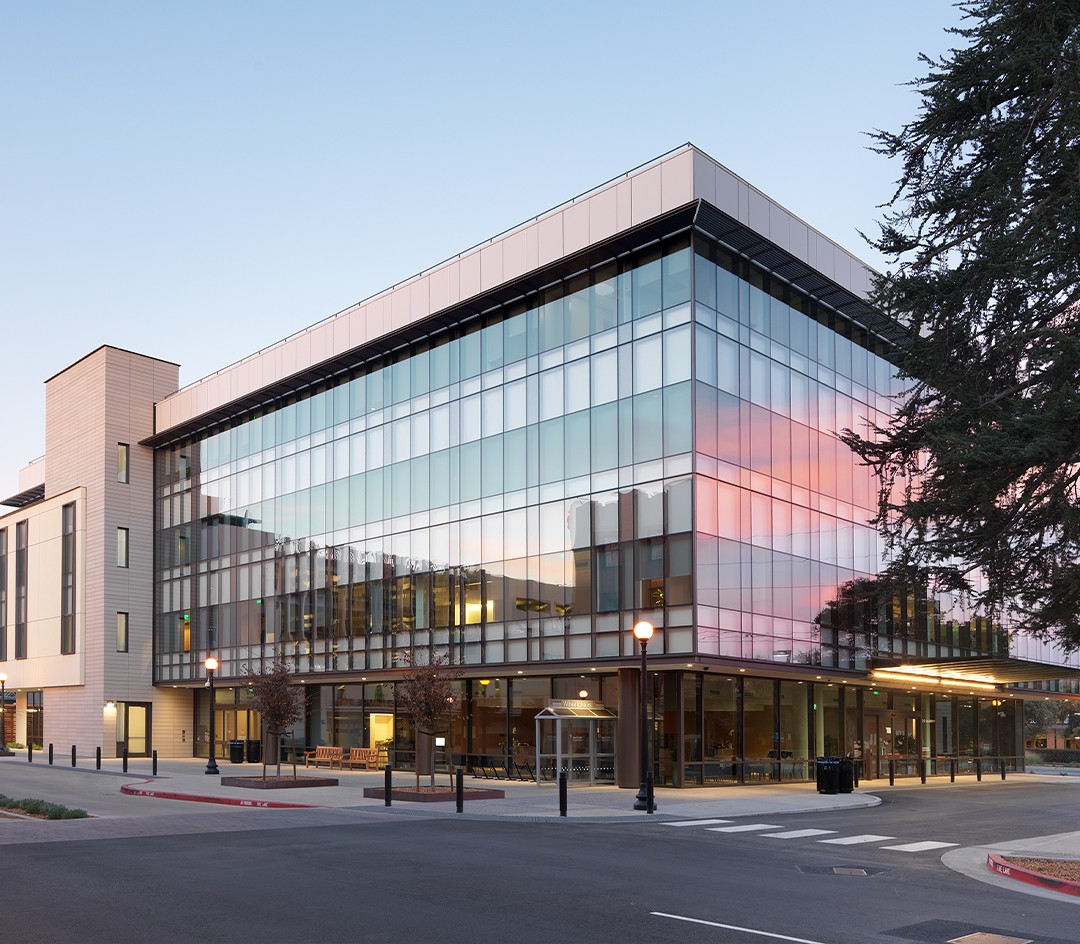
(987, 674)
(27, 497)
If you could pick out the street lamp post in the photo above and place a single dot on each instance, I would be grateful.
(4, 751)
(211, 666)
(643, 632)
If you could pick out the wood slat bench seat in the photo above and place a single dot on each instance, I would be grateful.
(323, 754)
(367, 756)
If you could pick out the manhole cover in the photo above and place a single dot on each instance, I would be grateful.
(981, 937)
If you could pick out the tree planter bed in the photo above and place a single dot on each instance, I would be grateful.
(432, 794)
(278, 783)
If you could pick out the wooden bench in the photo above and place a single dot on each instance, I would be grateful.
(323, 754)
(368, 756)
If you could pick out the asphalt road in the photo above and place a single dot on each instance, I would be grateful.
(373, 878)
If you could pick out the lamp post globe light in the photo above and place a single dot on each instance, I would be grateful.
(211, 665)
(643, 632)
(4, 751)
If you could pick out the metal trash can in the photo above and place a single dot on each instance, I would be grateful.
(236, 752)
(254, 752)
(828, 775)
(846, 774)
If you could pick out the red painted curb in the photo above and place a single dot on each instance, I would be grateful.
(132, 790)
(997, 864)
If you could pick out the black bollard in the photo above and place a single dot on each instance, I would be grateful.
(952, 770)
(125, 760)
(922, 770)
(386, 785)
(97, 758)
(154, 768)
(562, 792)
(855, 773)
(50, 753)
(978, 769)
(650, 803)
(892, 773)
(29, 753)
(72, 755)
(1001, 760)
(459, 789)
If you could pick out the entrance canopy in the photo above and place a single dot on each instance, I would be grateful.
(561, 711)
(987, 673)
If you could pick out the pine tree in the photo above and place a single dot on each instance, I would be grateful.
(980, 464)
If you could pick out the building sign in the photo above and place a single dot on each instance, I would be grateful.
(575, 703)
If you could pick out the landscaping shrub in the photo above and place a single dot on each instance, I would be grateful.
(42, 808)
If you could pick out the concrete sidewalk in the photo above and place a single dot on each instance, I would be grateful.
(187, 788)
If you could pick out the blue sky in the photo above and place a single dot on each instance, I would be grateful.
(195, 181)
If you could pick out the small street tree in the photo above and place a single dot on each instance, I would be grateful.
(427, 692)
(277, 699)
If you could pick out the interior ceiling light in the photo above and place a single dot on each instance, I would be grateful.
(926, 679)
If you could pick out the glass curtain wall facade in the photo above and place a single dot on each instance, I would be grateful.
(652, 439)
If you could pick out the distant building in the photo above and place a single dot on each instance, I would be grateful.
(623, 409)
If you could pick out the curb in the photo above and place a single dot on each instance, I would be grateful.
(134, 790)
(997, 864)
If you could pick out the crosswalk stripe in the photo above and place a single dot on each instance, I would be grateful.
(919, 846)
(799, 833)
(747, 828)
(699, 822)
(853, 840)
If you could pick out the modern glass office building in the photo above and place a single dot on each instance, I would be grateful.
(625, 409)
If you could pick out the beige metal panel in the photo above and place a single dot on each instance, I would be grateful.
(705, 171)
(728, 187)
(491, 266)
(550, 233)
(603, 214)
(439, 282)
(800, 234)
(398, 303)
(624, 204)
(469, 275)
(646, 190)
(297, 355)
(321, 339)
(758, 207)
(677, 180)
(453, 273)
(342, 328)
(532, 246)
(576, 227)
(514, 256)
(779, 227)
(419, 299)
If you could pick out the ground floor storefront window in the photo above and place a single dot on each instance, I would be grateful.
(704, 728)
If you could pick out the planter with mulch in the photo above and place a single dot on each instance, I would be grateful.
(432, 794)
(278, 783)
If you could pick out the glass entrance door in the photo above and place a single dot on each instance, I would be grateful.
(587, 748)
(133, 729)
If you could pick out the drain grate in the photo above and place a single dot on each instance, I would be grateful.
(861, 871)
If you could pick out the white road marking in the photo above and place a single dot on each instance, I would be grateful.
(735, 927)
(748, 828)
(699, 822)
(854, 840)
(800, 834)
(919, 846)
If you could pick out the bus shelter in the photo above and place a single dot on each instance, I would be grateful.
(578, 737)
